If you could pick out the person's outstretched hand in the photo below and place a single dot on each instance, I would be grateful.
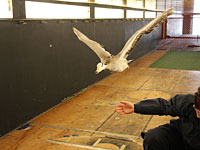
(124, 107)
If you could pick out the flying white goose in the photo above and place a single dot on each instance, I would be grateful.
(119, 63)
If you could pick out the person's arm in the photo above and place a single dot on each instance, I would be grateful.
(176, 106)
(158, 106)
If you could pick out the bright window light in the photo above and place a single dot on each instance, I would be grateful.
(175, 16)
(149, 14)
(196, 6)
(134, 14)
(108, 13)
(196, 23)
(74, 0)
(135, 3)
(55, 11)
(158, 14)
(150, 4)
(168, 4)
(174, 27)
(161, 5)
(196, 18)
(6, 9)
(110, 2)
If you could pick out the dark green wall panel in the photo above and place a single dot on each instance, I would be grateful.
(43, 62)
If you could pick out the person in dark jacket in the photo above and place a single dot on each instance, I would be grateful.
(180, 134)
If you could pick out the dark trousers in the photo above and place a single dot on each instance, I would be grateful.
(165, 137)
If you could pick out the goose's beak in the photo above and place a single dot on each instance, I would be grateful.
(98, 69)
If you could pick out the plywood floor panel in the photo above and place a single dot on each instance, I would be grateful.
(93, 109)
(34, 138)
(131, 78)
(147, 60)
(99, 100)
(126, 124)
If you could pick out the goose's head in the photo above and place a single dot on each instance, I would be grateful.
(100, 67)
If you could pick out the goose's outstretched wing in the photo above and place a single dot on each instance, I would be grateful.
(96, 47)
(131, 43)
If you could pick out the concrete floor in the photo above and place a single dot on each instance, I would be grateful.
(90, 116)
(180, 44)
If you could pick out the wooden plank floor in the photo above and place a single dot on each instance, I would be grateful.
(90, 115)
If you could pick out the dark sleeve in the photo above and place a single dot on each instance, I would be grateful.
(176, 106)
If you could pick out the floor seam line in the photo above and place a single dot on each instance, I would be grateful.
(104, 122)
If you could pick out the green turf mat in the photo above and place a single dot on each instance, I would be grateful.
(181, 60)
